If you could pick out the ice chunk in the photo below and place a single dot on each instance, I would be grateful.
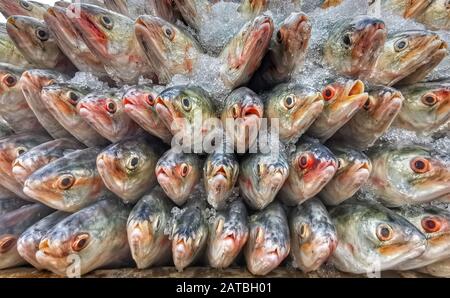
(87, 80)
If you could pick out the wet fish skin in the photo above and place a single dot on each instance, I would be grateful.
(35, 158)
(228, 234)
(12, 225)
(438, 269)
(91, 238)
(5, 193)
(269, 243)
(311, 167)
(434, 223)
(28, 242)
(189, 235)
(61, 101)
(407, 9)
(37, 44)
(127, 167)
(177, 174)
(295, 107)
(426, 107)
(139, 103)
(408, 175)
(243, 109)
(374, 119)
(13, 105)
(69, 183)
(5, 128)
(10, 204)
(104, 111)
(313, 235)
(11, 148)
(353, 171)
(436, 16)
(168, 49)
(146, 226)
(9, 53)
(372, 237)
(23, 8)
(261, 176)
(343, 99)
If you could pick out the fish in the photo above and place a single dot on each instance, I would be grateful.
(426, 107)
(177, 174)
(269, 241)
(241, 116)
(5, 193)
(310, 5)
(11, 148)
(37, 44)
(373, 238)
(354, 44)
(32, 82)
(12, 225)
(438, 269)
(9, 53)
(261, 176)
(189, 113)
(296, 108)
(374, 119)
(37, 157)
(434, 223)
(103, 110)
(71, 43)
(28, 242)
(14, 108)
(146, 225)
(91, 238)
(311, 167)
(110, 36)
(228, 233)
(287, 52)
(10, 204)
(22, 8)
(244, 53)
(352, 173)
(193, 11)
(127, 167)
(69, 183)
(168, 49)
(436, 16)
(5, 128)
(407, 9)
(61, 100)
(220, 173)
(343, 99)
(252, 8)
(408, 175)
(139, 103)
(135, 8)
(313, 235)
(408, 57)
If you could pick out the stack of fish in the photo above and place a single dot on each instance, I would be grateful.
(99, 118)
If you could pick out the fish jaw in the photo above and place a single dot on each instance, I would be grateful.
(262, 260)
(21, 171)
(315, 253)
(304, 117)
(184, 251)
(218, 188)
(172, 184)
(223, 250)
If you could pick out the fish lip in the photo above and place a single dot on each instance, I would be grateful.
(19, 171)
(129, 101)
(251, 110)
(148, 29)
(162, 108)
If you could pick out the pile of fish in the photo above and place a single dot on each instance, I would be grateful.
(329, 124)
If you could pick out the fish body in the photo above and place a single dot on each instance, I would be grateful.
(10, 204)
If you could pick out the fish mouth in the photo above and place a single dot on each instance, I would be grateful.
(318, 178)
(61, 26)
(399, 252)
(148, 30)
(350, 101)
(84, 110)
(265, 261)
(298, 30)
(141, 237)
(165, 179)
(112, 175)
(183, 251)
(357, 175)
(315, 254)
(164, 109)
(34, 190)
(389, 107)
(19, 172)
(312, 105)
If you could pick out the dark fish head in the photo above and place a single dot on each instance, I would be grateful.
(22, 8)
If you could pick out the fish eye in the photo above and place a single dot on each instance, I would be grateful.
(347, 40)
(133, 163)
(304, 231)
(430, 224)
(20, 151)
(400, 45)
(186, 103)
(235, 111)
(66, 181)
(150, 100)
(42, 34)
(168, 32)
(111, 107)
(289, 102)
(7, 243)
(184, 170)
(106, 22)
(80, 241)
(73, 97)
(420, 165)
(10, 80)
(328, 93)
(25, 5)
(279, 36)
(384, 232)
(306, 161)
(429, 99)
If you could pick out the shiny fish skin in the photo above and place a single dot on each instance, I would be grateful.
(313, 235)
(69, 183)
(28, 242)
(22, 8)
(436, 16)
(93, 237)
(5, 128)
(438, 269)
(9, 53)
(13, 224)
(128, 167)
(228, 234)
(11, 204)
(373, 238)
(269, 243)
(40, 155)
(146, 226)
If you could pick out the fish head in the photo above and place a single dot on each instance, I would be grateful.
(381, 107)
(177, 174)
(34, 80)
(140, 101)
(354, 45)
(437, 15)
(22, 8)
(60, 25)
(9, 79)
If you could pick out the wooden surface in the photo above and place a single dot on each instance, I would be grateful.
(26, 272)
